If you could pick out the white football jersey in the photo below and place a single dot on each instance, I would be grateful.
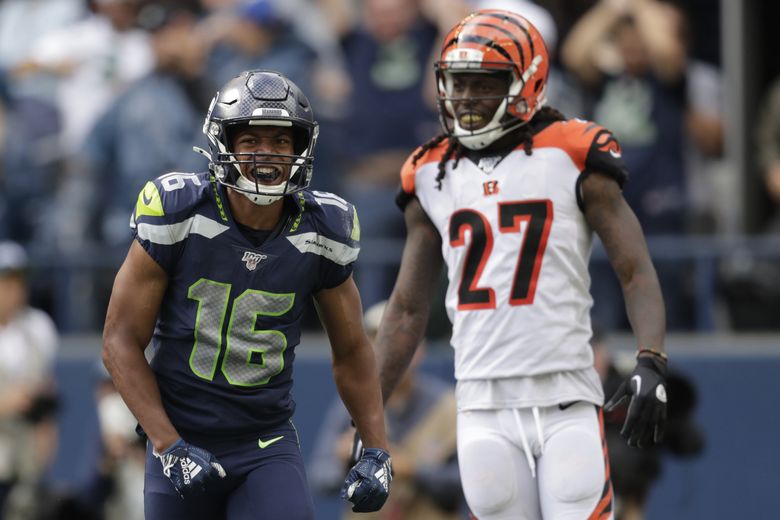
(516, 245)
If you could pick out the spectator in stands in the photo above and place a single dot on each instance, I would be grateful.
(29, 128)
(149, 129)
(711, 182)
(641, 97)
(22, 24)
(117, 487)
(768, 148)
(632, 54)
(28, 345)
(750, 282)
(253, 35)
(387, 48)
(29, 153)
(4, 227)
(92, 60)
(420, 419)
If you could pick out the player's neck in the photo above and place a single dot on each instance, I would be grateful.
(254, 216)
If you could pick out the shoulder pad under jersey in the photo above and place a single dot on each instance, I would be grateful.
(412, 164)
(331, 225)
(590, 146)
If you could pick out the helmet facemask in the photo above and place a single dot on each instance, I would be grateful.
(227, 165)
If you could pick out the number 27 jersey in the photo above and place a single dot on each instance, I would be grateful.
(517, 246)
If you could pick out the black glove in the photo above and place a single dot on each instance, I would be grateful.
(368, 483)
(646, 416)
(189, 468)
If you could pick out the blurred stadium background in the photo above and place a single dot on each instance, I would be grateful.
(97, 96)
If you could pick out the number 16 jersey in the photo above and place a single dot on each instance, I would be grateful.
(517, 246)
(224, 342)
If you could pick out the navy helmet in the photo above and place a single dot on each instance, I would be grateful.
(260, 97)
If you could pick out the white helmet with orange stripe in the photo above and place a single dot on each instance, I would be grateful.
(493, 41)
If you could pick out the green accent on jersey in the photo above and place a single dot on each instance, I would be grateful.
(220, 206)
(149, 202)
(355, 226)
(297, 222)
(242, 341)
(212, 298)
(264, 444)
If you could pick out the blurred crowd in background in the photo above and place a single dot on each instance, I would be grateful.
(99, 96)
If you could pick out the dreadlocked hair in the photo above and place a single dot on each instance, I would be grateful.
(543, 115)
(454, 148)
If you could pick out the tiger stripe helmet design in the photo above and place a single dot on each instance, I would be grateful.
(491, 41)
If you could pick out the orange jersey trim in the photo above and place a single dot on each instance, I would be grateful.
(603, 509)
(574, 137)
(409, 170)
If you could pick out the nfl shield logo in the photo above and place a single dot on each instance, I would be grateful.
(252, 259)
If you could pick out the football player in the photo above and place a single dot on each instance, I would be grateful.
(508, 199)
(221, 269)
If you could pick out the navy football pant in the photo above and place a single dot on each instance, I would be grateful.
(261, 483)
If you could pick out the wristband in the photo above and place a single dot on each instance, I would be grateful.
(654, 352)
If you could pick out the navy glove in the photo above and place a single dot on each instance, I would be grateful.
(368, 482)
(646, 417)
(189, 468)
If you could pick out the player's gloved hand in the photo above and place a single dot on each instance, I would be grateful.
(646, 417)
(189, 468)
(368, 482)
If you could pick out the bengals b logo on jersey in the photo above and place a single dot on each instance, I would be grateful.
(489, 188)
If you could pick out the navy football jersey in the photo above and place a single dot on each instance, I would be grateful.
(225, 337)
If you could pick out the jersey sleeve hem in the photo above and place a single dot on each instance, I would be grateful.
(147, 246)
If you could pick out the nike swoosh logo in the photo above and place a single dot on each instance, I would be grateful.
(265, 444)
(638, 380)
(615, 154)
(563, 406)
(146, 198)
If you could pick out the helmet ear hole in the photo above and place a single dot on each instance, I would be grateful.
(230, 134)
(300, 139)
(538, 85)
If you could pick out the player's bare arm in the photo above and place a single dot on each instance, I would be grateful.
(612, 219)
(135, 301)
(614, 222)
(354, 366)
(404, 321)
